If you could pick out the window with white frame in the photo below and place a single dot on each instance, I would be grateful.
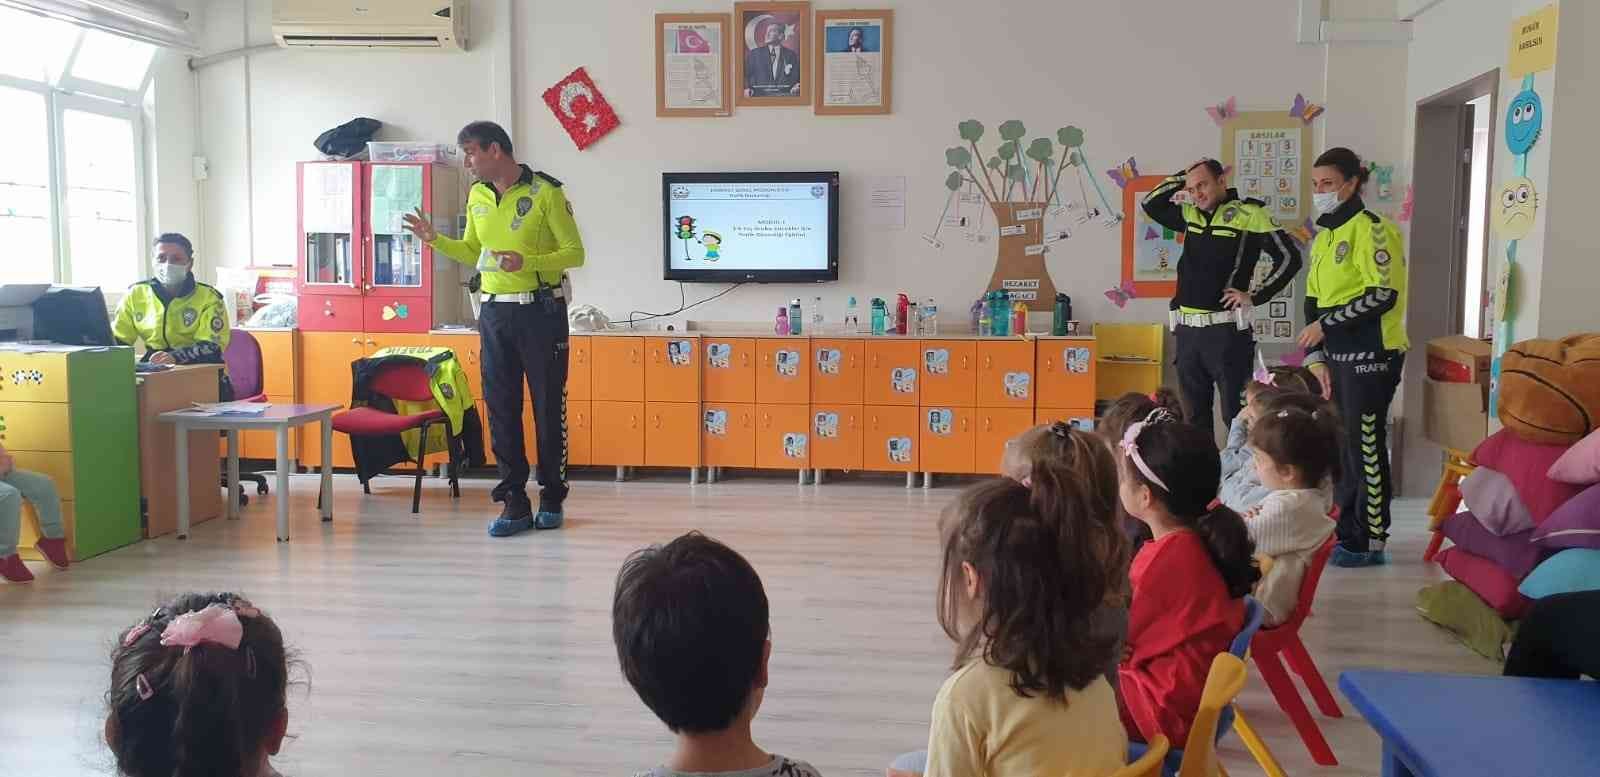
(72, 195)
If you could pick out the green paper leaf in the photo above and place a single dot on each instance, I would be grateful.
(1070, 136)
(1076, 158)
(1012, 130)
(957, 157)
(995, 163)
(971, 130)
(1007, 150)
(953, 182)
(1014, 173)
(1040, 149)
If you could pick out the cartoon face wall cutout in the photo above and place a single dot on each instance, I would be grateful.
(1524, 120)
(1517, 202)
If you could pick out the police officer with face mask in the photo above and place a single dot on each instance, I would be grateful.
(180, 320)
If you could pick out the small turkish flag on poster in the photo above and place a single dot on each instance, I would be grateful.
(692, 42)
(581, 109)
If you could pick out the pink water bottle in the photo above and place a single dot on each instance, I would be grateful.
(902, 311)
(781, 325)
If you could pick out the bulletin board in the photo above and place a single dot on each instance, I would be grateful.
(1269, 156)
(1149, 251)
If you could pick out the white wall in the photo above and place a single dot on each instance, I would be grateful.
(1105, 68)
(1571, 284)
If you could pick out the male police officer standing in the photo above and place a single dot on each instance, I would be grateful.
(1223, 238)
(521, 236)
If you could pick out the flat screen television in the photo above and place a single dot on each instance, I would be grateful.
(750, 227)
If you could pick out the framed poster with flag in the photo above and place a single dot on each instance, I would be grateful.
(693, 77)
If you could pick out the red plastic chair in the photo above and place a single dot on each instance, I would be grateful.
(407, 382)
(1284, 640)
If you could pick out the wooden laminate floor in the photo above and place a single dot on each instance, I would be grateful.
(435, 650)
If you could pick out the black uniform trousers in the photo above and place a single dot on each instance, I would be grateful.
(1558, 638)
(526, 342)
(1209, 357)
(1362, 390)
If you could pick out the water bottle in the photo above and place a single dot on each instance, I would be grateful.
(795, 316)
(781, 325)
(1019, 318)
(999, 314)
(879, 313)
(977, 313)
(902, 312)
(930, 317)
(1062, 314)
(852, 322)
(985, 322)
(816, 315)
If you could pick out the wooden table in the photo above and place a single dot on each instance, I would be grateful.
(277, 418)
(1441, 725)
(161, 392)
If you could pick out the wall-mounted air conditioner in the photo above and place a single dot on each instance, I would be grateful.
(408, 24)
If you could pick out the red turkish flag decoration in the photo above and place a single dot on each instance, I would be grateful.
(581, 109)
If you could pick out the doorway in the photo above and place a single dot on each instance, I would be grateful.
(1453, 159)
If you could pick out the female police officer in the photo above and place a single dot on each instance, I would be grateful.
(1356, 309)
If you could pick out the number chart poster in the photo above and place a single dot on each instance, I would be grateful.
(1268, 152)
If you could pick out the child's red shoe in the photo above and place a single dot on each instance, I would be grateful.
(12, 568)
(55, 550)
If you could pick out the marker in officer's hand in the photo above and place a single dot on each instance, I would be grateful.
(510, 261)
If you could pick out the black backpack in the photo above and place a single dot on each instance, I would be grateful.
(348, 139)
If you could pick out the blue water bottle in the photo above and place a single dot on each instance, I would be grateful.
(879, 313)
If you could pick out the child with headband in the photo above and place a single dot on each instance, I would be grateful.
(1189, 581)
(198, 690)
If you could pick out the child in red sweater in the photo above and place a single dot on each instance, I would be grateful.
(1189, 582)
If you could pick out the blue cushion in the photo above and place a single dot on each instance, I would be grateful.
(1574, 569)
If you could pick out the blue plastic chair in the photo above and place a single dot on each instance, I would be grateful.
(1253, 615)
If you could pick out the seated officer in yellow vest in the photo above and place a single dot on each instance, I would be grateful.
(180, 320)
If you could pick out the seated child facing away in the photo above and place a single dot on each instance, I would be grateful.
(1121, 414)
(689, 619)
(1026, 571)
(1189, 582)
(15, 486)
(1296, 442)
(1241, 488)
(198, 689)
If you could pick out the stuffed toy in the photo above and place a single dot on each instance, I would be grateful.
(1550, 389)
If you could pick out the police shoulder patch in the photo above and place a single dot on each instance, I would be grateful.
(480, 210)
(1342, 250)
(216, 323)
(1381, 257)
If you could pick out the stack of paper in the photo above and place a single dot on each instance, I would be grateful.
(229, 408)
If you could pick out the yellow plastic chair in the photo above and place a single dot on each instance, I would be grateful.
(1256, 745)
(1223, 684)
(1149, 764)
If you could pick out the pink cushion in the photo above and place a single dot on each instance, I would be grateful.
(1494, 501)
(1489, 582)
(1580, 465)
(1527, 465)
(1515, 553)
(1575, 524)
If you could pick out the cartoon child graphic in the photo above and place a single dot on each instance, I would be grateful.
(713, 243)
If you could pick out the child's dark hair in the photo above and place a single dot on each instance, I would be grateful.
(198, 711)
(1134, 406)
(1185, 458)
(1048, 555)
(690, 622)
(1285, 380)
(1300, 431)
(1347, 162)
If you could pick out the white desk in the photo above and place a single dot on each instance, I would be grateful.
(278, 418)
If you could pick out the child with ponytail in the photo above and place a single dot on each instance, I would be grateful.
(1188, 581)
(1119, 415)
(1296, 443)
(1241, 488)
(1027, 569)
(198, 689)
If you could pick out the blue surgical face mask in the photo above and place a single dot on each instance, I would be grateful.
(171, 275)
(1325, 202)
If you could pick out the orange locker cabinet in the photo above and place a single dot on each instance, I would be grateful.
(836, 436)
(892, 370)
(671, 370)
(1064, 369)
(730, 372)
(729, 434)
(580, 354)
(783, 436)
(997, 426)
(618, 370)
(618, 436)
(949, 372)
(672, 434)
(1005, 374)
(580, 439)
(836, 371)
(325, 379)
(1079, 417)
(783, 371)
(889, 442)
(947, 438)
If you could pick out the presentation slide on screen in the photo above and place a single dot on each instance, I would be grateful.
(748, 226)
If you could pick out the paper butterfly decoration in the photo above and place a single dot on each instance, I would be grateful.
(392, 312)
(1262, 375)
(1407, 206)
(1304, 110)
(1123, 173)
(1119, 295)
(1150, 233)
(1223, 111)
